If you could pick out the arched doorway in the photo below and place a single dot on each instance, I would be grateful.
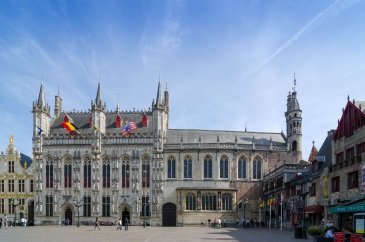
(169, 215)
(68, 216)
(126, 214)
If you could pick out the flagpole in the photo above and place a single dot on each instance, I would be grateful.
(270, 214)
(281, 215)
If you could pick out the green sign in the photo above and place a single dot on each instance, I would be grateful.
(354, 208)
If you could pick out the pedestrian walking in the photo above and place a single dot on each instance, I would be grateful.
(126, 223)
(97, 223)
(119, 224)
(6, 222)
(1, 222)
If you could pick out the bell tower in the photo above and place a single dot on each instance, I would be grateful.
(41, 115)
(293, 117)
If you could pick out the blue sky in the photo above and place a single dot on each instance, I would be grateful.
(226, 62)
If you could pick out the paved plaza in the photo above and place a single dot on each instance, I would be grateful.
(137, 233)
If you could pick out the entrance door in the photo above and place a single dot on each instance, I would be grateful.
(31, 213)
(68, 216)
(126, 214)
(169, 215)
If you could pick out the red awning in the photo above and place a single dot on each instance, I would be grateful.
(314, 209)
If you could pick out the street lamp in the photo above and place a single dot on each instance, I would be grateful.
(78, 204)
(16, 202)
(245, 201)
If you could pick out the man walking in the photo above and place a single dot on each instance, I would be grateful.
(126, 223)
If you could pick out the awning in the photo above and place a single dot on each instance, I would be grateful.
(314, 209)
(350, 208)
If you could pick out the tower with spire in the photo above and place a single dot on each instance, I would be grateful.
(41, 114)
(160, 110)
(293, 117)
(98, 109)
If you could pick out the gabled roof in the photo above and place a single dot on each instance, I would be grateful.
(353, 118)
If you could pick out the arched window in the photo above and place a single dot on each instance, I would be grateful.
(145, 171)
(223, 171)
(256, 168)
(171, 167)
(87, 172)
(294, 145)
(106, 172)
(49, 172)
(67, 171)
(188, 167)
(242, 164)
(209, 202)
(125, 172)
(208, 167)
(226, 201)
(190, 202)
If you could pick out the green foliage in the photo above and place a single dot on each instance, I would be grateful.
(315, 231)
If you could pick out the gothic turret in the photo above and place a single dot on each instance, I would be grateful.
(98, 117)
(57, 104)
(160, 118)
(293, 117)
(41, 114)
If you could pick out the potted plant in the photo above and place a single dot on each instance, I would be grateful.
(315, 232)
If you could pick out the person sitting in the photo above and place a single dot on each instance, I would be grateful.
(329, 234)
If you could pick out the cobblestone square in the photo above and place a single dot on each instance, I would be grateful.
(137, 233)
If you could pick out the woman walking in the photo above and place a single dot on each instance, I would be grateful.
(97, 223)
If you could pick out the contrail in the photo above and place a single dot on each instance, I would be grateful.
(331, 11)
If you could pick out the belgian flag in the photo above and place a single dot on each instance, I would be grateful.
(70, 127)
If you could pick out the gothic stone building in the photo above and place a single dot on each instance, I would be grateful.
(16, 184)
(157, 175)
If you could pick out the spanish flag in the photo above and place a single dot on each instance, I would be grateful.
(70, 127)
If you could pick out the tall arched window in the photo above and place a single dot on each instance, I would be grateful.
(67, 171)
(242, 164)
(125, 172)
(209, 202)
(106, 172)
(49, 172)
(190, 202)
(294, 145)
(146, 171)
(87, 172)
(256, 168)
(226, 201)
(208, 167)
(223, 171)
(171, 167)
(188, 167)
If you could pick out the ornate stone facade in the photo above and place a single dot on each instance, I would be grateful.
(16, 185)
(154, 175)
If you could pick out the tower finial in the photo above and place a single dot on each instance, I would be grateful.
(295, 83)
(313, 142)
(245, 126)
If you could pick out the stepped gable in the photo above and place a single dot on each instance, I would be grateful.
(210, 136)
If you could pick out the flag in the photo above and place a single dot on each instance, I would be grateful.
(39, 130)
(130, 126)
(70, 127)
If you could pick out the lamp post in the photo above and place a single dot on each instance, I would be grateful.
(245, 201)
(15, 204)
(77, 203)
